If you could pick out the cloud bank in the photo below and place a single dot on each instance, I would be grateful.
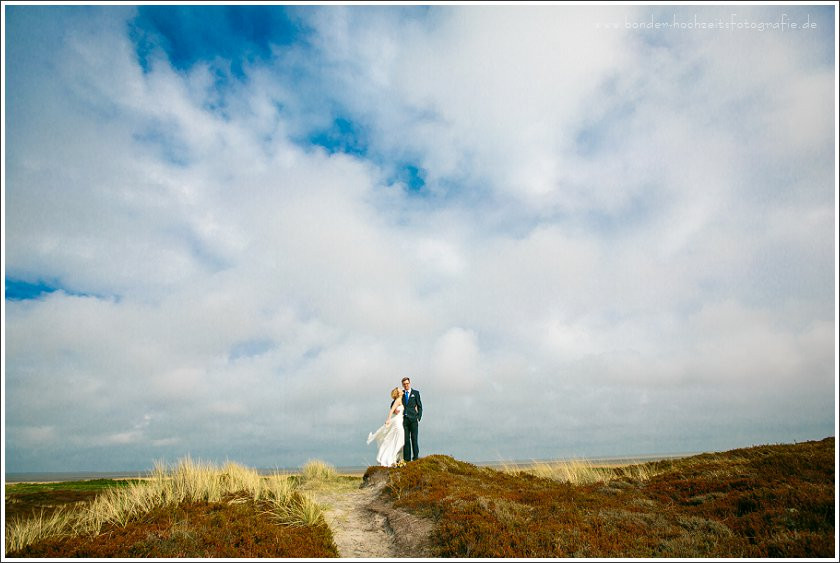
(230, 232)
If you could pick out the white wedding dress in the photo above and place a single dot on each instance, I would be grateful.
(391, 440)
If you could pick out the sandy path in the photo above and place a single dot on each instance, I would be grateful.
(357, 530)
(364, 526)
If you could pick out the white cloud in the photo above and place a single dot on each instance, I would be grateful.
(35, 436)
(617, 238)
(456, 362)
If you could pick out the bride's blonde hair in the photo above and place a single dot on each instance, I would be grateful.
(395, 392)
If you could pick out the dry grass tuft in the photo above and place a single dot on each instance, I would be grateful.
(577, 472)
(584, 472)
(188, 483)
(20, 533)
(296, 510)
(315, 471)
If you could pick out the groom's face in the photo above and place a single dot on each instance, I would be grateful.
(406, 384)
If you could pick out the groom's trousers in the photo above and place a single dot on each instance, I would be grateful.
(411, 428)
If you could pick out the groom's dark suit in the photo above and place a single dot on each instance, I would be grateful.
(411, 416)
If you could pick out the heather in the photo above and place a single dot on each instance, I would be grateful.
(766, 501)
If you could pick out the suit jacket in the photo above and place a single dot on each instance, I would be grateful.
(413, 407)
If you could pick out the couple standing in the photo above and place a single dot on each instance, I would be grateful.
(397, 438)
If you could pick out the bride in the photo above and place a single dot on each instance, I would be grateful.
(390, 436)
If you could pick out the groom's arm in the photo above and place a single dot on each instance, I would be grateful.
(419, 407)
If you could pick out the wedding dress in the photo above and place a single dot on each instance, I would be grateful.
(391, 439)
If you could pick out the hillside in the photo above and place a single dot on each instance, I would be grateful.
(767, 501)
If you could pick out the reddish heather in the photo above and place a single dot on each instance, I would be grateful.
(195, 530)
(768, 501)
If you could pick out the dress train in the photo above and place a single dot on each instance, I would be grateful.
(391, 439)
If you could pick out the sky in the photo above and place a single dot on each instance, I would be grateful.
(582, 231)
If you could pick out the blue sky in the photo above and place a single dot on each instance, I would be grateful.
(230, 231)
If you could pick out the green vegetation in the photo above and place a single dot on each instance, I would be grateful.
(24, 500)
(767, 501)
(191, 510)
(95, 485)
(317, 476)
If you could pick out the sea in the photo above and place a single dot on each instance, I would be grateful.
(58, 477)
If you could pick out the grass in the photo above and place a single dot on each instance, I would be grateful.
(580, 472)
(24, 500)
(95, 485)
(766, 501)
(319, 477)
(318, 471)
(760, 502)
(191, 510)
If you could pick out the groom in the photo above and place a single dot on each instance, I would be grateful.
(411, 416)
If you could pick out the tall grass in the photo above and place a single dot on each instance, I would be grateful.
(20, 533)
(295, 510)
(188, 481)
(583, 472)
(316, 471)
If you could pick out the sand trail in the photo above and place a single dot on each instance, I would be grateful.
(365, 526)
